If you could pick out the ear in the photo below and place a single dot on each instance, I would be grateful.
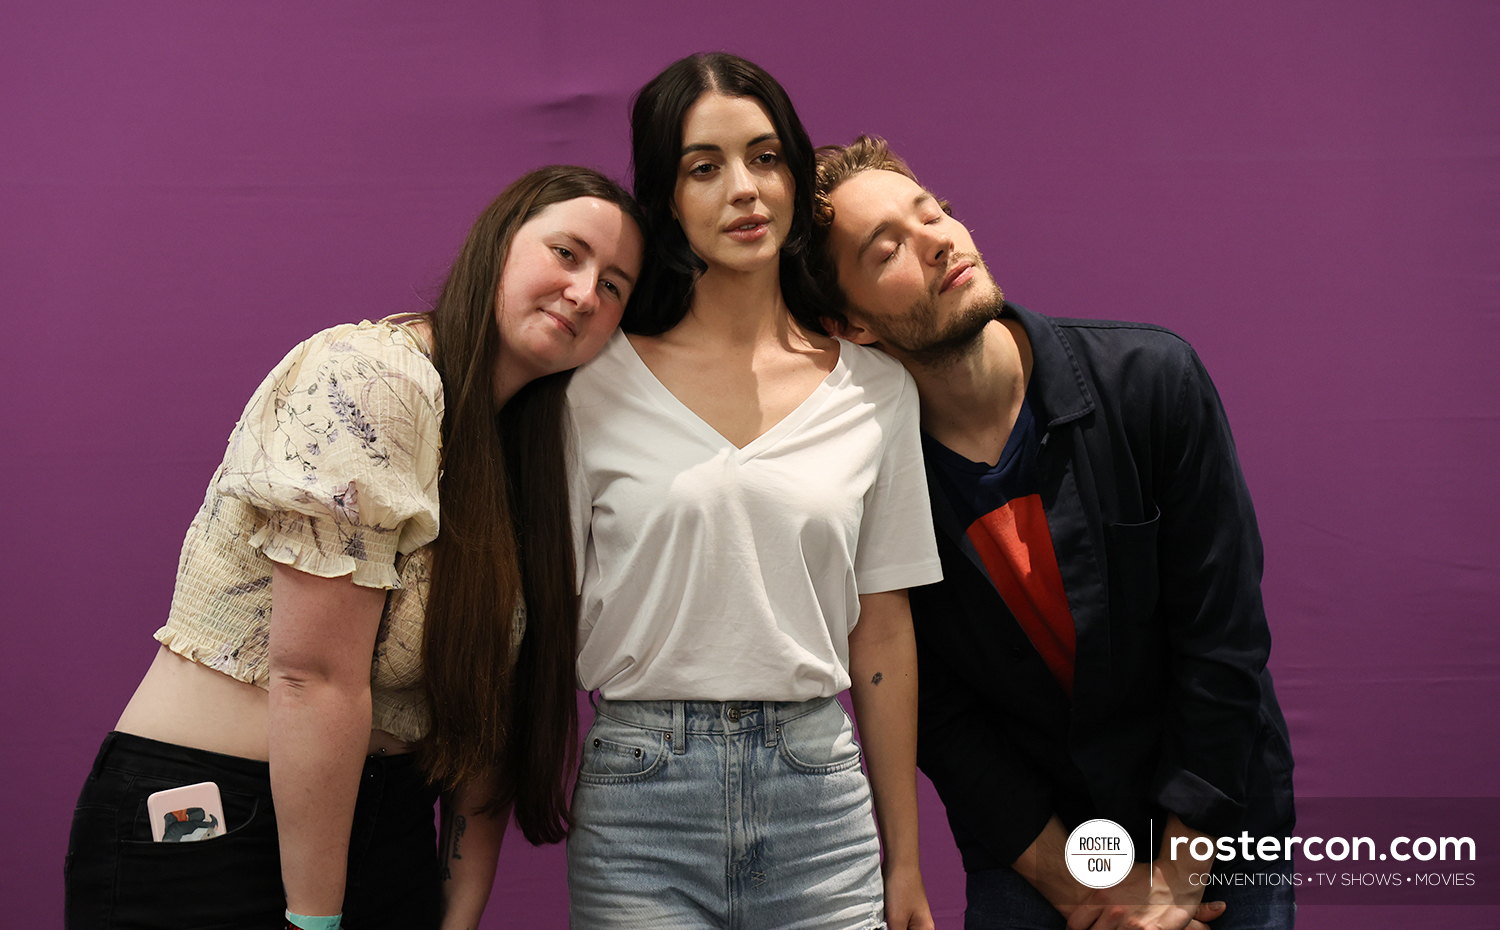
(850, 331)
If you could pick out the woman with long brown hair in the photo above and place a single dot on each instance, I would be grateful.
(380, 576)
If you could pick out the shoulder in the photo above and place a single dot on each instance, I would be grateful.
(875, 372)
(605, 374)
(352, 357)
(1117, 357)
(385, 341)
(1106, 338)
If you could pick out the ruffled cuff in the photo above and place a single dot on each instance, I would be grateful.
(329, 549)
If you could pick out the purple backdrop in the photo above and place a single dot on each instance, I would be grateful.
(1308, 191)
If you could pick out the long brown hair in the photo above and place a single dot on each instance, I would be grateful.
(504, 534)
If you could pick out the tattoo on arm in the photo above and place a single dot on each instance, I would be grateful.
(878, 678)
(453, 832)
(460, 824)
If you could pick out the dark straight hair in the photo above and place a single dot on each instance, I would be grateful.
(665, 291)
(500, 715)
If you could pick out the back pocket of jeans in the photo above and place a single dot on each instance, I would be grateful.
(203, 884)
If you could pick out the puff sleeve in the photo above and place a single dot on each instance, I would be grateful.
(338, 454)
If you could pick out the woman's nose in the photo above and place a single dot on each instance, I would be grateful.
(583, 291)
(741, 184)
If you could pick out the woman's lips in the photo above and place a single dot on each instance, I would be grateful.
(562, 322)
(748, 229)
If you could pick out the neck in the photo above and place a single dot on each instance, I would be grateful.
(737, 306)
(970, 401)
(507, 383)
(510, 377)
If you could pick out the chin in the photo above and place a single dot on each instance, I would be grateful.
(963, 333)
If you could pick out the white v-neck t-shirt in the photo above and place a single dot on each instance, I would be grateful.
(715, 573)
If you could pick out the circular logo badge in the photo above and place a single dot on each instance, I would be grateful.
(1100, 853)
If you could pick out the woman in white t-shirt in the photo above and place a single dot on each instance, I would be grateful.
(758, 512)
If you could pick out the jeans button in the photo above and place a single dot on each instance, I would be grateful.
(734, 715)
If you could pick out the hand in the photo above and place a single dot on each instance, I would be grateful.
(906, 901)
(1146, 900)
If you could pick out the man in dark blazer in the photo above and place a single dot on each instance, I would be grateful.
(1097, 646)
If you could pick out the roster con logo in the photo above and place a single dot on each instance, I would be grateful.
(1099, 853)
(1315, 848)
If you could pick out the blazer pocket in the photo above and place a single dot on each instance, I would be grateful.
(1134, 581)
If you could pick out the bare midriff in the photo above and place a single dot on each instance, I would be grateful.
(182, 702)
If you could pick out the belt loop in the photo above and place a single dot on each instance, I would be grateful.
(104, 748)
(679, 728)
(772, 731)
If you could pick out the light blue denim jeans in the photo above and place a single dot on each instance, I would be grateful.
(739, 815)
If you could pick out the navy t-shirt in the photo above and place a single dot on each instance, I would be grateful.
(1002, 510)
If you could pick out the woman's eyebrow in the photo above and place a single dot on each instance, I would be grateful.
(711, 147)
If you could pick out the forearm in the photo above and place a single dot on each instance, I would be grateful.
(469, 847)
(883, 667)
(1044, 865)
(884, 691)
(322, 635)
(318, 735)
(1176, 871)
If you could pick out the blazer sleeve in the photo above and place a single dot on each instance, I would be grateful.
(1210, 564)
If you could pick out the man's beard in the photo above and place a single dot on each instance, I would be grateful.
(919, 338)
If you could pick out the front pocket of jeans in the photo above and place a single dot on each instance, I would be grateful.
(630, 757)
(819, 743)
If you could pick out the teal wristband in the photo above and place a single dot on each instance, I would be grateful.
(305, 922)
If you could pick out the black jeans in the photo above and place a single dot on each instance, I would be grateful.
(116, 877)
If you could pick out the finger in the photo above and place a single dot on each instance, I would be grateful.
(1209, 910)
(1083, 916)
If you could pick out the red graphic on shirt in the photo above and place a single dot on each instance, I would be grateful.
(1016, 548)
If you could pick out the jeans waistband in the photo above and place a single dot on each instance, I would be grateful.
(707, 717)
(126, 752)
(679, 719)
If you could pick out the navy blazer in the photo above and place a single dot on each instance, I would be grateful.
(1155, 536)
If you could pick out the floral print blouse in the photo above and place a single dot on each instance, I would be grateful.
(332, 469)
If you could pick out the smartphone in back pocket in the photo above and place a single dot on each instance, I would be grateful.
(186, 814)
